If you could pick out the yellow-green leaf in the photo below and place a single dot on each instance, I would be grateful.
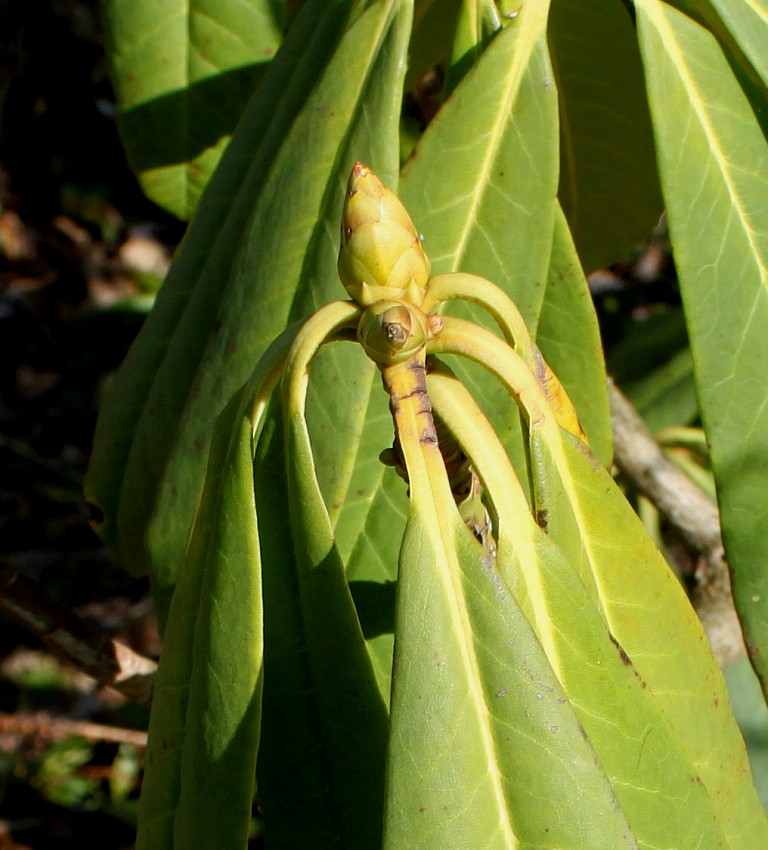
(484, 744)
(569, 337)
(608, 603)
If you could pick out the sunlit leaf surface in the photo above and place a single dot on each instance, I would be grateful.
(714, 171)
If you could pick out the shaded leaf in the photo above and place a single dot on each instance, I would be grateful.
(205, 723)
(433, 25)
(345, 715)
(298, 784)
(183, 72)
(609, 187)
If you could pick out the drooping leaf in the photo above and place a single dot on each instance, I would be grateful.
(298, 784)
(600, 596)
(322, 770)
(713, 164)
(569, 337)
(493, 217)
(483, 742)
(486, 749)
(205, 724)
(252, 246)
(609, 187)
(652, 621)
(183, 73)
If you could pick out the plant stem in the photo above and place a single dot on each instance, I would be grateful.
(45, 726)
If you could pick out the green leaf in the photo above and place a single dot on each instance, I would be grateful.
(662, 640)
(485, 748)
(299, 781)
(483, 740)
(607, 602)
(609, 187)
(259, 254)
(481, 183)
(478, 21)
(337, 728)
(747, 23)
(369, 528)
(741, 28)
(183, 72)
(205, 722)
(713, 160)
(569, 337)
(495, 139)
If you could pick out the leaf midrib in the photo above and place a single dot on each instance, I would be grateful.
(676, 54)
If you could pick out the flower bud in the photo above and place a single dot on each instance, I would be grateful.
(392, 331)
(381, 255)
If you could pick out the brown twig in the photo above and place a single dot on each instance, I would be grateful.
(48, 727)
(109, 662)
(691, 512)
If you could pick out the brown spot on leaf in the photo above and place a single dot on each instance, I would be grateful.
(625, 659)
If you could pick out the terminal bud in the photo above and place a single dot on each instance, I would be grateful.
(381, 256)
(392, 331)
